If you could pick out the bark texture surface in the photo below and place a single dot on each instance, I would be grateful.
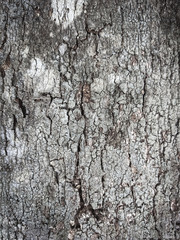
(89, 119)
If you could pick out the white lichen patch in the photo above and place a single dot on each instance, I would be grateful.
(22, 178)
(111, 79)
(98, 85)
(62, 49)
(43, 78)
(65, 11)
(25, 52)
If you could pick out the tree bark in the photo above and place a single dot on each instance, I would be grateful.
(89, 119)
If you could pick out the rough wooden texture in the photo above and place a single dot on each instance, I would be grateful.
(89, 119)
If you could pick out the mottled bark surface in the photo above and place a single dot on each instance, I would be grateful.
(89, 119)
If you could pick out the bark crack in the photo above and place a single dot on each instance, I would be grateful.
(144, 91)
(21, 106)
(5, 32)
(154, 212)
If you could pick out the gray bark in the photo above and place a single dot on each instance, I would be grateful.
(89, 119)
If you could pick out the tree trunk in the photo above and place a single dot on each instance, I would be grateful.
(89, 119)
